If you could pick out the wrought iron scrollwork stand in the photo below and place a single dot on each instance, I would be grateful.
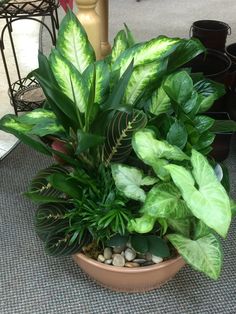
(25, 93)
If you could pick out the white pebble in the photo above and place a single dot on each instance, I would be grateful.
(130, 254)
(101, 258)
(118, 260)
(157, 259)
(107, 253)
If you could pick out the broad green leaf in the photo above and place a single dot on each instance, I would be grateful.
(203, 123)
(11, 124)
(129, 180)
(177, 134)
(119, 46)
(141, 79)
(36, 116)
(203, 254)
(157, 246)
(143, 224)
(204, 141)
(223, 126)
(156, 49)
(87, 140)
(186, 51)
(160, 102)
(208, 92)
(200, 230)
(61, 182)
(182, 226)
(139, 243)
(73, 43)
(150, 149)
(117, 240)
(47, 127)
(209, 202)
(179, 87)
(164, 201)
(70, 80)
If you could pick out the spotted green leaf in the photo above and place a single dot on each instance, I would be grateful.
(119, 46)
(160, 102)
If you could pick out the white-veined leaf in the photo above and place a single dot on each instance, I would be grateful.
(204, 254)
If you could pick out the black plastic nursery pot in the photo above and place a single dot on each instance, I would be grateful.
(216, 66)
(231, 52)
(221, 144)
(211, 33)
(231, 103)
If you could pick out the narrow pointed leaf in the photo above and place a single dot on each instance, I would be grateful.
(119, 46)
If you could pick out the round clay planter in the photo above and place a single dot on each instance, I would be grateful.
(123, 279)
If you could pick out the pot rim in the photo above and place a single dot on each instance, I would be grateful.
(224, 25)
(117, 269)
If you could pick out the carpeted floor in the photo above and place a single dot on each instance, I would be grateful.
(33, 283)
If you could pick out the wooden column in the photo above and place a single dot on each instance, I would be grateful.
(91, 22)
(103, 11)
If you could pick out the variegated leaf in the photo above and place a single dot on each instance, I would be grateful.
(153, 50)
(73, 43)
(141, 78)
(120, 45)
(69, 79)
(160, 102)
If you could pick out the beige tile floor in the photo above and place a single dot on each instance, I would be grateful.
(25, 35)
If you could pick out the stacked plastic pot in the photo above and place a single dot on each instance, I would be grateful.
(218, 64)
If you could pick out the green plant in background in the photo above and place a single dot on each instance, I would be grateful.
(130, 134)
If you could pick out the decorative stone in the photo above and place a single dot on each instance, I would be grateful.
(139, 260)
(128, 244)
(118, 249)
(157, 259)
(118, 260)
(107, 253)
(130, 254)
(148, 263)
(101, 258)
(122, 253)
(132, 264)
(148, 256)
(108, 261)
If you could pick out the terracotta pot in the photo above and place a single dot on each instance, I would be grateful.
(124, 279)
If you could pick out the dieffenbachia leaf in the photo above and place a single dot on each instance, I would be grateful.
(160, 102)
(203, 254)
(209, 202)
(70, 80)
(164, 201)
(118, 143)
(129, 180)
(130, 38)
(149, 149)
(119, 46)
(156, 49)
(179, 87)
(73, 43)
(37, 115)
(87, 140)
(101, 81)
(141, 78)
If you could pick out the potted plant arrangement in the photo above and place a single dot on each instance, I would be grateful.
(132, 194)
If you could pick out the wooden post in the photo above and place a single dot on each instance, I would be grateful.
(103, 11)
(91, 22)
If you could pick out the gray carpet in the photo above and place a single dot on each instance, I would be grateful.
(31, 282)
